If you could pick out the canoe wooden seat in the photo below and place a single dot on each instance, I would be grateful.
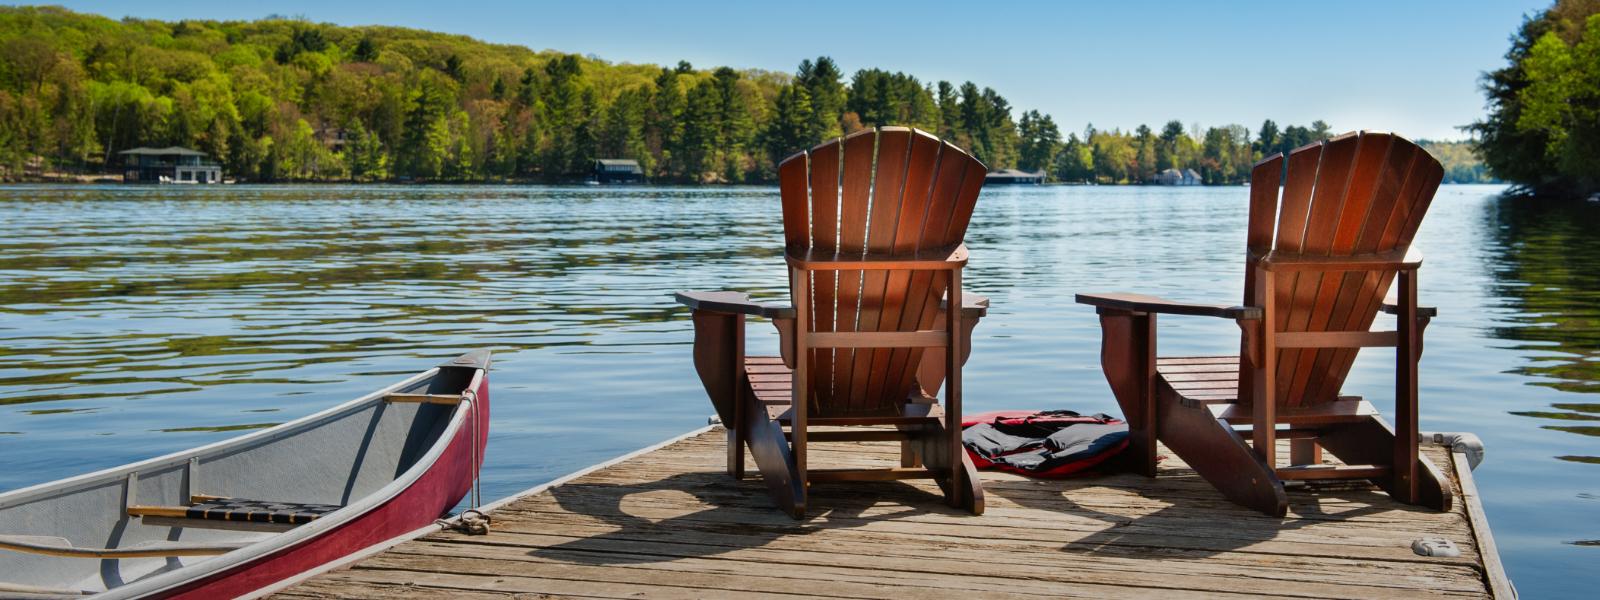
(445, 399)
(239, 510)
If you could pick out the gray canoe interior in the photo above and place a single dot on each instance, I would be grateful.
(334, 459)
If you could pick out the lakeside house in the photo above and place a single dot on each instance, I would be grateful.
(333, 138)
(173, 164)
(1176, 177)
(617, 170)
(1013, 177)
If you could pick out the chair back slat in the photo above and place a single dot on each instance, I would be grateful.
(1416, 176)
(888, 189)
(824, 164)
(896, 366)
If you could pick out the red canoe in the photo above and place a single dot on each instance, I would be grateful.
(232, 518)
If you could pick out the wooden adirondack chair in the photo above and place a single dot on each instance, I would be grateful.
(873, 224)
(1320, 260)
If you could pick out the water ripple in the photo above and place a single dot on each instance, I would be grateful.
(141, 320)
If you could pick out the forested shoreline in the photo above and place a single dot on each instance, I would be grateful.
(284, 100)
(1543, 127)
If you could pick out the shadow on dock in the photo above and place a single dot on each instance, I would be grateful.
(1245, 529)
(669, 523)
(730, 509)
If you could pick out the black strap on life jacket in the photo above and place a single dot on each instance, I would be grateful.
(1053, 443)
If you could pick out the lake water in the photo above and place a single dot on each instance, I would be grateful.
(136, 321)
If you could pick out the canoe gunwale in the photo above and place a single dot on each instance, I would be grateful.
(181, 457)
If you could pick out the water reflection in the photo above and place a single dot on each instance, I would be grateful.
(136, 321)
(289, 278)
(1545, 264)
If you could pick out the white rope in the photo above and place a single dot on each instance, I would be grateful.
(470, 521)
(470, 398)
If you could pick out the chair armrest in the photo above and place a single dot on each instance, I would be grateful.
(738, 303)
(973, 306)
(1392, 306)
(1153, 304)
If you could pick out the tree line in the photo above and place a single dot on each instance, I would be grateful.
(289, 100)
(1543, 127)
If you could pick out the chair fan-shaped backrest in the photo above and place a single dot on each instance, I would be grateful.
(887, 190)
(1359, 193)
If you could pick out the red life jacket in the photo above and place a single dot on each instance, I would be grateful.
(1048, 444)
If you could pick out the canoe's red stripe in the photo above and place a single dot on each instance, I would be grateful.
(434, 493)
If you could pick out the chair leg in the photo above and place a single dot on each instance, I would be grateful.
(908, 456)
(1305, 452)
(972, 494)
(735, 452)
(1128, 358)
(932, 444)
(779, 470)
(1216, 452)
(1370, 442)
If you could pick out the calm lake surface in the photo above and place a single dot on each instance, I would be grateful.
(136, 321)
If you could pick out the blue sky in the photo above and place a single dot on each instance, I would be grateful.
(1408, 67)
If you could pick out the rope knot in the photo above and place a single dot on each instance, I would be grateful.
(470, 522)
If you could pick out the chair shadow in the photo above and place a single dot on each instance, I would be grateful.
(1189, 526)
(739, 516)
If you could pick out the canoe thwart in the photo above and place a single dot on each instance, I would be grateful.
(447, 399)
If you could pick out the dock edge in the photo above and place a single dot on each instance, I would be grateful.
(446, 524)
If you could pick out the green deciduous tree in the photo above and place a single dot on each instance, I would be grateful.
(1543, 127)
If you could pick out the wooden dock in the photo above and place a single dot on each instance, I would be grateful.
(669, 523)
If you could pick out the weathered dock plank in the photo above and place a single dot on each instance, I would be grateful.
(670, 523)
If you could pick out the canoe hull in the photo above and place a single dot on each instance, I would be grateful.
(433, 494)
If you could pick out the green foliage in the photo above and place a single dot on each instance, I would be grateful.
(879, 97)
(1543, 127)
(1040, 140)
(1075, 162)
(1220, 155)
(1460, 160)
(793, 125)
(826, 94)
(285, 99)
